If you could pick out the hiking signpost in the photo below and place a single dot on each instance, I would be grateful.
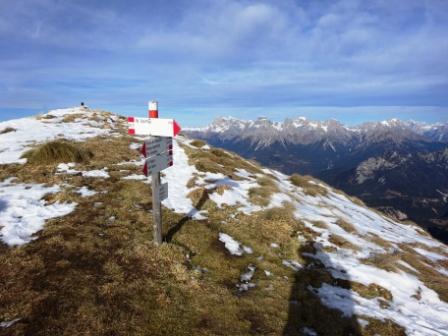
(158, 151)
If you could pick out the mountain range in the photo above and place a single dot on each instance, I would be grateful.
(399, 167)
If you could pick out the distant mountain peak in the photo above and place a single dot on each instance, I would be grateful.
(301, 130)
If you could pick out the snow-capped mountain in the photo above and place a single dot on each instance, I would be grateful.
(343, 156)
(248, 250)
(263, 132)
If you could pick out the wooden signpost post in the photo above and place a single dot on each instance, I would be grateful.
(158, 151)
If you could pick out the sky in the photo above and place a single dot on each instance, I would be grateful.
(352, 60)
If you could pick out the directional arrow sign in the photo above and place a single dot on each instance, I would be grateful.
(155, 164)
(163, 191)
(156, 145)
(153, 126)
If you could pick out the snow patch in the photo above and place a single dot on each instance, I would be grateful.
(86, 192)
(233, 246)
(96, 173)
(30, 131)
(23, 212)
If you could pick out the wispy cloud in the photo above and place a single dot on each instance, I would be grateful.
(233, 54)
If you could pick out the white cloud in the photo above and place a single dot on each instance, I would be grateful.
(210, 52)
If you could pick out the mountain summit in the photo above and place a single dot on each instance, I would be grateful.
(248, 250)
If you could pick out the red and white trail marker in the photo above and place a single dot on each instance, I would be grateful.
(158, 151)
(153, 126)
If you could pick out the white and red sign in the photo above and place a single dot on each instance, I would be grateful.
(153, 126)
(156, 146)
(157, 163)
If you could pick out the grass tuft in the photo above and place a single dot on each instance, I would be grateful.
(262, 195)
(386, 261)
(7, 130)
(72, 117)
(198, 143)
(343, 243)
(45, 117)
(346, 226)
(306, 183)
(57, 151)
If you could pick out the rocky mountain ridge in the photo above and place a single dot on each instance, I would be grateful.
(263, 132)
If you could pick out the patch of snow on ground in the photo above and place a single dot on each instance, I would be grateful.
(294, 265)
(138, 177)
(135, 145)
(308, 331)
(418, 317)
(7, 324)
(140, 162)
(427, 316)
(237, 194)
(430, 255)
(245, 279)
(177, 177)
(67, 168)
(96, 173)
(23, 212)
(86, 192)
(30, 131)
(406, 310)
(233, 246)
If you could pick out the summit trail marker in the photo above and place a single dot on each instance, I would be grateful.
(158, 151)
(152, 126)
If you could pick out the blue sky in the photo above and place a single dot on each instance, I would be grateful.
(353, 60)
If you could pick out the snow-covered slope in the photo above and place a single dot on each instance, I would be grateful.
(374, 270)
(425, 315)
(71, 123)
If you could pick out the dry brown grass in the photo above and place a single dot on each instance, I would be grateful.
(374, 238)
(357, 201)
(371, 291)
(342, 242)
(222, 188)
(386, 261)
(320, 225)
(348, 227)
(68, 118)
(426, 271)
(7, 130)
(57, 151)
(262, 195)
(382, 327)
(219, 161)
(309, 188)
(192, 182)
(198, 143)
(45, 117)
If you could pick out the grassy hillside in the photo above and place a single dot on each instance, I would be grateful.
(258, 253)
